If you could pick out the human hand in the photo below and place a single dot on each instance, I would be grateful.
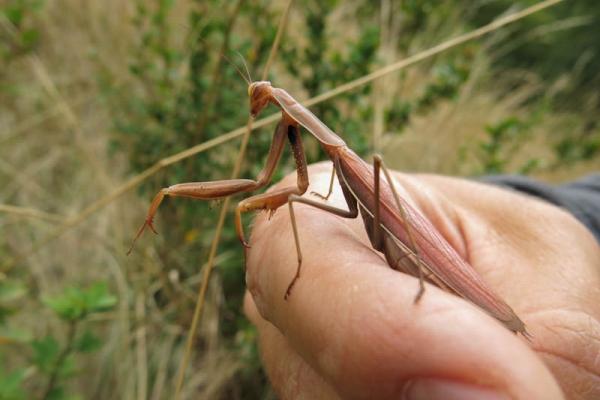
(350, 328)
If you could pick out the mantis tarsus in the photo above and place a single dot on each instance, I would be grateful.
(409, 242)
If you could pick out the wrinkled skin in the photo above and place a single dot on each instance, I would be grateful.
(350, 328)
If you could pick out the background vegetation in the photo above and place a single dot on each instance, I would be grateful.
(92, 93)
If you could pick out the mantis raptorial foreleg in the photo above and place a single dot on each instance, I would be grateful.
(287, 129)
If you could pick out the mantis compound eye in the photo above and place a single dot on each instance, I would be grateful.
(251, 89)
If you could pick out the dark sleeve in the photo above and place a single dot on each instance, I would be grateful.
(581, 197)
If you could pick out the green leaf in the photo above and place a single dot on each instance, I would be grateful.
(74, 303)
(45, 353)
(88, 342)
(98, 299)
(67, 368)
(11, 291)
(45, 356)
(14, 15)
(70, 305)
(10, 384)
(57, 393)
(6, 312)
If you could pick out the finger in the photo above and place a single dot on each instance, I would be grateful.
(290, 376)
(353, 320)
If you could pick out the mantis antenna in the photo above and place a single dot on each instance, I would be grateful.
(247, 80)
(246, 66)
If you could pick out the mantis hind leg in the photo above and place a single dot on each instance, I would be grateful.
(378, 166)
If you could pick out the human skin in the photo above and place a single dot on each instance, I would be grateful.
(350, 328)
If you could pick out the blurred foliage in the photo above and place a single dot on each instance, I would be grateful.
(20, 35)
(556, 42)
(51, 359)
(504, 138)
(26, 36)
(575, 149)
(447, 80)
(551, 41)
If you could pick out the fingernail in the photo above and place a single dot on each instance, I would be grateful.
(432, 389)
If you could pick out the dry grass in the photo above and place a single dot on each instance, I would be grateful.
(53, 159)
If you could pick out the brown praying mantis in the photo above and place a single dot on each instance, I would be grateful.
(408, 241)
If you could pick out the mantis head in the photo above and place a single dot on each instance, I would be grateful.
(259, 93)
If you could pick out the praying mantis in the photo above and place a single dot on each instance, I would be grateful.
(407, 240)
